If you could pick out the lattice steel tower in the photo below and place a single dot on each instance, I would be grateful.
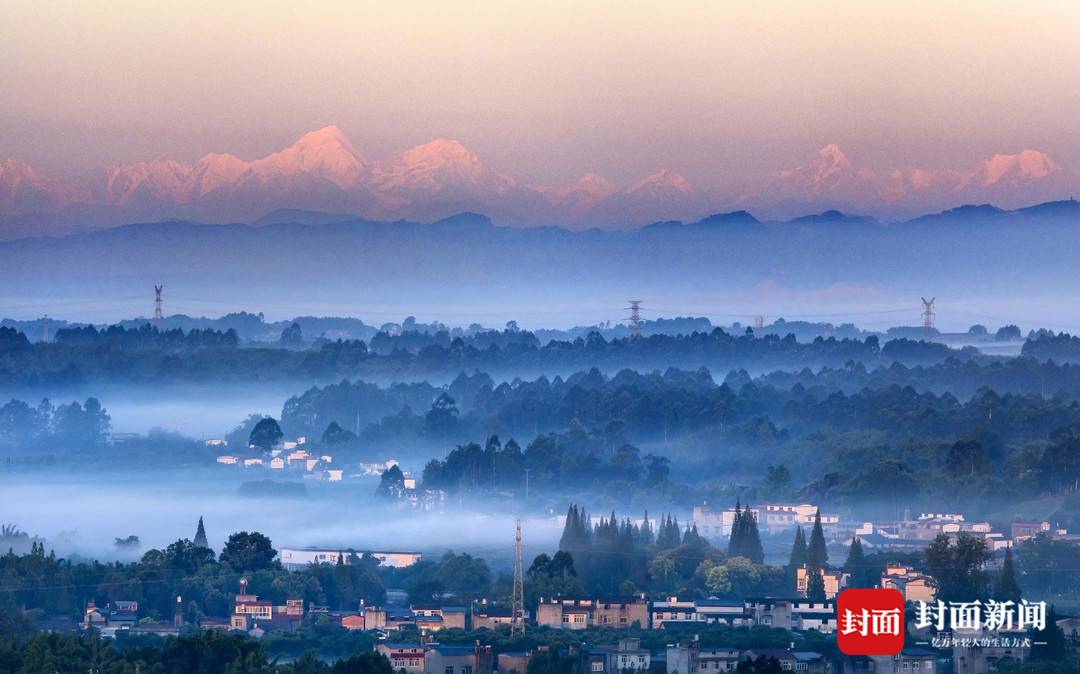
(517, 611)
(928, 316)
(157, 302)
(635, 317)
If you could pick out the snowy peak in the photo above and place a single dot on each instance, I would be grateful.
(827, 171)
(439, 166)
(325, 153)
(832, 157)
(161, 179)
(1027, 165)
(582, 194)
(219, 171)
(663, 183)
(23, 189)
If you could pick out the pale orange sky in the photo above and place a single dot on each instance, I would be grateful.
(543, 90)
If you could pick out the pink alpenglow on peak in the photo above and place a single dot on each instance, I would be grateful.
(581, 195)
(322, 170)
(325, 153)
(438, 166)
(1028, 165)
(664, 182)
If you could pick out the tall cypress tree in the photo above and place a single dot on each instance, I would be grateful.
(1006, 588)
(735, 540)
(856, 565)
(1049, 642)
(798, 550)
(745, 539)
(815, 584)
(754, 551)
(645, 532)
(200, 536)
(817, 555)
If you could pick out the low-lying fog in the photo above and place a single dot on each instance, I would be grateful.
(84, 515)
(198, 415)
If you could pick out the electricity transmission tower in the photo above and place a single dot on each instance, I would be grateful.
(928, 316)
(517, 613)
(157, 302)
(635, 317)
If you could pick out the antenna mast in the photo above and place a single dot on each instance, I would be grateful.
(517, 612)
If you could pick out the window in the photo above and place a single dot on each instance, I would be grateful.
(467, 669)
(598, 666)
(449, 669)
(916, 665)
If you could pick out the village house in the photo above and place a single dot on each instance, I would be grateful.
(792, 614)
(626, 656)
(433, 618)
(981, 659)
(440, 659)
(250, 613)
(772, 518)
(514, 661)
(1022, 531)
(834, 581)
(295, 559)
(487, 616)
(408, 657)
(913, 585)
(691, 658)
(785, 656)
(675, 612)
(582, 613)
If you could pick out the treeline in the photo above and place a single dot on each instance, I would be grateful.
(960, 377)
(507, 354)
(555, 463)
(677, 404)
(203, 652)
(206, 582)
(146, 336)
(73, 426)
(1045, 345)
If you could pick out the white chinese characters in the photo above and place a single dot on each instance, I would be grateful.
(976, 615)
(876, 622)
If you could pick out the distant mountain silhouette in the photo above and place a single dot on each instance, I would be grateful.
(465, 261)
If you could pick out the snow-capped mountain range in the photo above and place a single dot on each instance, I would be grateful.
(324, 171)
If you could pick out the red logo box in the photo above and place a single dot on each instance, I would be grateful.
(870, 622)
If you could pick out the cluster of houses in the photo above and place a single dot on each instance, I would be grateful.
(123, 615)
(256, 617)
(628, 655)
(291, 456)
(906, 534)
(298, 458)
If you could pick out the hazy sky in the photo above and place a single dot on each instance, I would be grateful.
(543, 90)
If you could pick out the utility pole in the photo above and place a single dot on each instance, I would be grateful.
(517, 612)
(928, 317)
(45, 329)
(635, 318)
(759, 325)
(157, 302)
